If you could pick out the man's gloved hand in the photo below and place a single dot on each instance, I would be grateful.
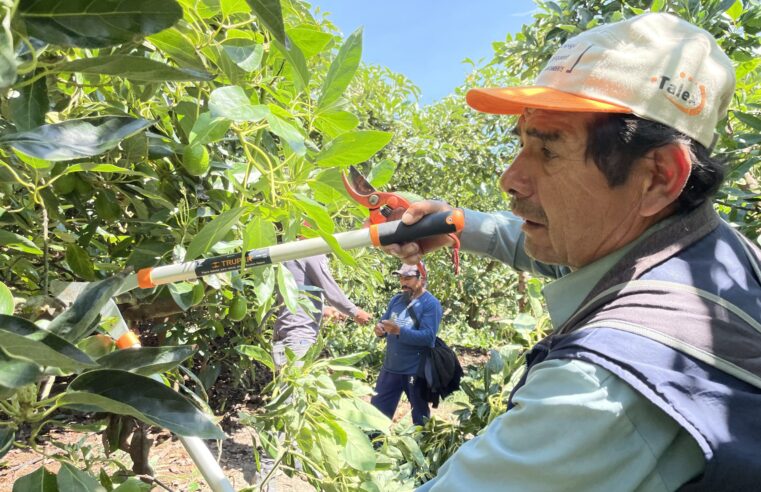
(362, 317)
(412, 253)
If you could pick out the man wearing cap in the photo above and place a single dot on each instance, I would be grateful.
(409, 326)
(651, 378)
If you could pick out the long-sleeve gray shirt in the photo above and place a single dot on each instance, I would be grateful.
(312, 275)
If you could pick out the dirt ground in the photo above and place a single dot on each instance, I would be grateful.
(170, 462)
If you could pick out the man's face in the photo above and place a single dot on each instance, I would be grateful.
(410, 285)
(572, 217)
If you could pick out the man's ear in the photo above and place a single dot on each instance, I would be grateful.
(667, 170)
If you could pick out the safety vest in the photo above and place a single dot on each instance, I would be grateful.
(678, 318)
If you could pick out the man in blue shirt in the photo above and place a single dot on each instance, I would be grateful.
(409, 326)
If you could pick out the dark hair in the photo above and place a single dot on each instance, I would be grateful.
(616, 141)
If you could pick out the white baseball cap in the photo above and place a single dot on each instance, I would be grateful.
(410, 270)
(656, 66)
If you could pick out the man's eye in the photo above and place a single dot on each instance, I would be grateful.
(548, 154)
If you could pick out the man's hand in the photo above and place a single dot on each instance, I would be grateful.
(362, 317)
(390, 327)
(379, 332)
(412, 253)
(332, 314)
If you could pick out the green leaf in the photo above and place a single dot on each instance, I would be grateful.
(182, 293)
(352, 148)
(342, 69)
(413, 449)
(22, 339)
(257, 353)
(92, 167)
(359, 452)
(146, 399)
(293, 54)
(287, 132)
(736, 10)
(334, 123)
(79, 262)
(147, 360)
(524, 323)
(316, 212)
(7, 436)
(75, 139)
(213, 232)
(341, 253)
(133, 484)
(7, 57)
(33, 162)
(96, 346)
(270, 14)
(16, 373)
(348, 360)
(555, 7)
(176, 44)
(6, 300)
(72, 479)
(208, 129)
(77, 321)
(259, 233)
(205, 9)
(29, 107)
(657, 5)
(231, 102)
(382, 173)
(245, 53)
(328, 186)
(234, 7)
(310, 40)
(749, 119)
(40, 480)
(130, 67)
(19, 243)
(288, 289)
(264, 284)
(88, 24)
(362, 414)
(331, 448)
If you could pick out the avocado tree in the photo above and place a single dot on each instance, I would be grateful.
(138, 133)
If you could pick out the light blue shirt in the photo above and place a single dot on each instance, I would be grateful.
(575, 426)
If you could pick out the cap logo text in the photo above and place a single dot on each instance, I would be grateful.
(686, 95)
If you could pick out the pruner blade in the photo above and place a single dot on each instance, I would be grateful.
(379, 203)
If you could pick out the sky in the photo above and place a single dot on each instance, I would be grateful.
(427, 40)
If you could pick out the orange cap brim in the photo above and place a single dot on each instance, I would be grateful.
(513, 100)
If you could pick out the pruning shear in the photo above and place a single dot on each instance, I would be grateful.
(381, 204)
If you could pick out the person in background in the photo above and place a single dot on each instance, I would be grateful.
(409, 326)
(651, 378)
(298, 331)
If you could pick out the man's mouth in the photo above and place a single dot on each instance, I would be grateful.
(527, 212)
(531, 223)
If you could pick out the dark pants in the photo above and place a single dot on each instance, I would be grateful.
(389, 390)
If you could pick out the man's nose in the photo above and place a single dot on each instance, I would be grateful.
(515, 180)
